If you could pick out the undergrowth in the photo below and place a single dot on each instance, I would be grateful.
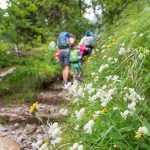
(111, 108)
(34, 72)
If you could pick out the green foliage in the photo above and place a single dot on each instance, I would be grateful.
(35, 22)
(127, 40)
(32, 72)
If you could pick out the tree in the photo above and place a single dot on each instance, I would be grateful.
(30, 21)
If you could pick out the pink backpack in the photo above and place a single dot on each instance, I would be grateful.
(83, 49)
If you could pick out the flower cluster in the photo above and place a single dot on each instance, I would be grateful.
(114, 78)
(80, 113)
(141, 131)
(88, 127)
(54, 132)
(102, 67)
(133, 97)
(76, 146)
(122, 51)
(40, 145)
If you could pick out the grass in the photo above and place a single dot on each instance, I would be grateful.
(33, 73)
(111, 130)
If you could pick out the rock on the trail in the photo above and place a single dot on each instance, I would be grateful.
(8, 144)
(3, 129)
(30, 128)
(16, 125)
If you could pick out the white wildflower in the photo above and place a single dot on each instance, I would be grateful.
(76, 146)
(141, 35)
(44, 146)
(104, 56)
(80, 147)
(122, 51)
(88, 86)
(132, 106)
(54, 133)
(115, 108)
(80, 113)
(134, 33)
(103, 51)
(96, 114)
(56, 141)
(104, 87)
(38, 143)
(103, 46)
(88, 127)
(143, 130)
(141, 56)
(125, 114)
(77, 127)
(64, 112)
(102, 67)
(129, 49)
(123, 44)
(93, 74)
(90, 91)
(96, 78)
(76, 100)
(93, 98)
(104, 104)
(110, 59)
(108, 78)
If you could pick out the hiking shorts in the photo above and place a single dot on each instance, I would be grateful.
(76, 67)
(64, 56)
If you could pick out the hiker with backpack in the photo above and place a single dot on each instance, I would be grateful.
(63, 43)
(86, 44)
(75, 62)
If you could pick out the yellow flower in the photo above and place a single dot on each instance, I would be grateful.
(33, 107)
(113, 43)
(90, 58)
(46, 142)
(138, 135)
(109, 46)
(104, 110)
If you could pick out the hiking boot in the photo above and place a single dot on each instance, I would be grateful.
(64, 83)
(79, 79)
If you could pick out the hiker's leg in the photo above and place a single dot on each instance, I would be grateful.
(65, 73)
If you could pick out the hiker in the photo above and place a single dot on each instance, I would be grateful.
(64, 54)
(52, 48)
(86, 44)
(75, 62)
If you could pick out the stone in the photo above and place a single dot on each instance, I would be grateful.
(30, 128)
(16, 125)
(8, 144)
(3, 129)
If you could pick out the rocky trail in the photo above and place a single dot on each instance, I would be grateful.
(22, 129)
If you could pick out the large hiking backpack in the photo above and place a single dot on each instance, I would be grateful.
(75, 56)
(83, 49)
(62, 40)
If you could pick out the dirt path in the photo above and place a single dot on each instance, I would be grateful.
(22, 127)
